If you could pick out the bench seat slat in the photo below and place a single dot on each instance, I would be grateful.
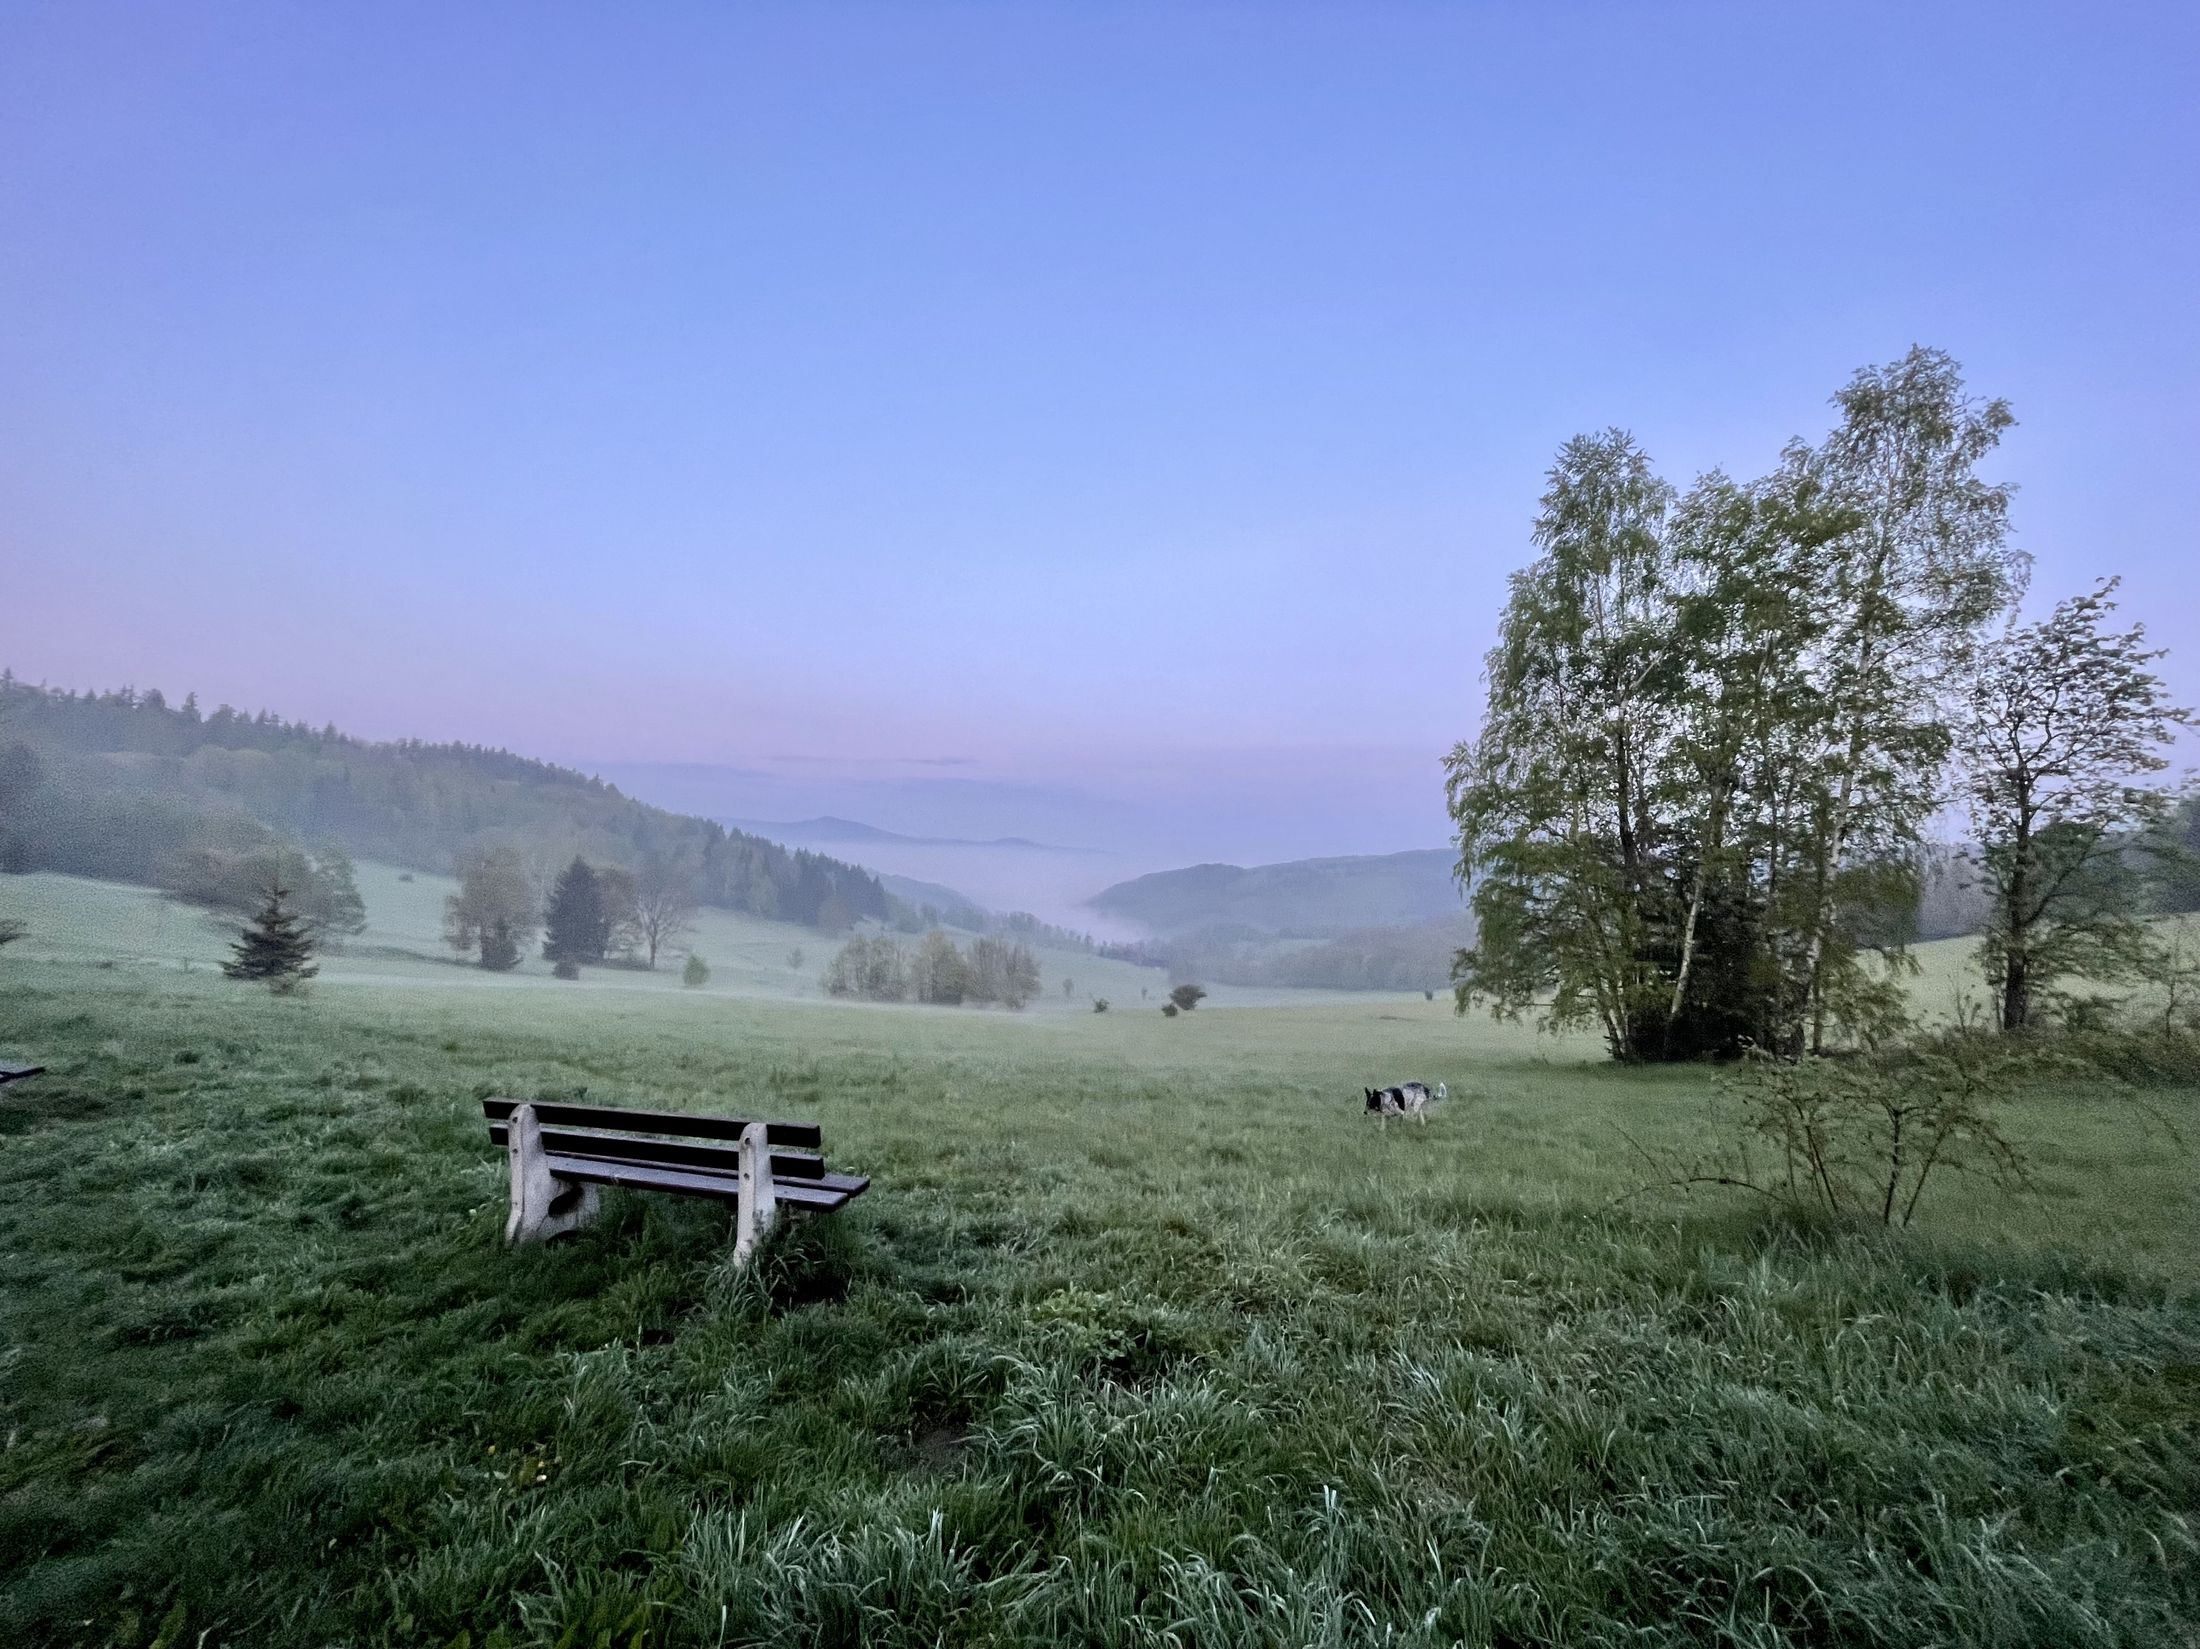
(667, 1153)
(821, 1195)
(800, 1136)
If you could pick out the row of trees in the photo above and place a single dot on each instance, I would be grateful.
(1720, 723)
(875, 967)
(590, 913)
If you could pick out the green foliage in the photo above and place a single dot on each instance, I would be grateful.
(2065, 721)
(695, 973)
(1169, 1010)
(577, 923)
(276, 948)
(499, 946)
(870, 966)
(1717, 725)
(1187, 996)
(1099, 1004)
(495, 908)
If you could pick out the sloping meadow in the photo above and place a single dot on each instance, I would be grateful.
(1143, 1336)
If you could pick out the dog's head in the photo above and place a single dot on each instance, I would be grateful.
(1374, 1099)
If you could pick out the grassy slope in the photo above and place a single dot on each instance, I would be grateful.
(1141, 1332)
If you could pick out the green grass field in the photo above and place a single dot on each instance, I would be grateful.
(1143, 1335)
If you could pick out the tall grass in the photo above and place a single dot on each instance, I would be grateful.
(1142, 1337)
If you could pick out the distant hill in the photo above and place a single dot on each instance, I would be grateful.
(952, 908)
(1301, 899)
(825, 829)
(124, 784)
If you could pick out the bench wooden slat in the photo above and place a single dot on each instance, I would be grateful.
(666, 1153)
(801, 1136)
(820, 1195)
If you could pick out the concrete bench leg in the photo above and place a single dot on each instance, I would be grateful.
(759, 1204)
(542, 1204)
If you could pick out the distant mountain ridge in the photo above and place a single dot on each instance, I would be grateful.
(1301, 898)
(826, 828)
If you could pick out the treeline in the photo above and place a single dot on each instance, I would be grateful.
(937, 970)
(1719, 724)
(1412, 957)
(124, 785)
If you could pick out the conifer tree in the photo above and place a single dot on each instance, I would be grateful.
(275, 949)
(576, 928)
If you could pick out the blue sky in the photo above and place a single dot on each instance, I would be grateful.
(1035, 419)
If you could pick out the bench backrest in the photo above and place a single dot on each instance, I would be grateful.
(798, 1136)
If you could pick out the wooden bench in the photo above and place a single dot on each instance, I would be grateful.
(16, 1073)
(561, 1155)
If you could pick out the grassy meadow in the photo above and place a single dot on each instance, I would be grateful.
(1143, 1335)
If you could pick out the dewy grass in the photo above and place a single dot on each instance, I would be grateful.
(1142, 1337)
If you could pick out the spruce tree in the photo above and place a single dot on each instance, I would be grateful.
(276, 948)
(576, 927)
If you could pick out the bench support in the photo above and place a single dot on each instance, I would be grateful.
(543, 1206)
(759, 1204)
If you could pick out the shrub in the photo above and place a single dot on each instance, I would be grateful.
(1864, 1136)
(1187, 997)
(565, 968)
(1099, 1004)
(499, 949)
(1168, 1010)
(696, 972)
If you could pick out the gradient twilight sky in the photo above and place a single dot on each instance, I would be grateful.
(1113, 422)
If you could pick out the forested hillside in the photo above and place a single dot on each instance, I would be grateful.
(1303, 899)
(125, 785)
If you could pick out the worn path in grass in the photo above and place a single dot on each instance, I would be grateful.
(1143, 1336)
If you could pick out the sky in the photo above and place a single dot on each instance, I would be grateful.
(1112, 424)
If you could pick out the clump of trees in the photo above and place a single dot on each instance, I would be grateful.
(495, 910)
(1720, 722)
(875, 967)
(276, 947)
(233, 878)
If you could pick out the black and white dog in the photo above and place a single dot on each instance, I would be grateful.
(1408, 1099)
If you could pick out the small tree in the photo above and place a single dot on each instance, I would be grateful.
(275, 948)
(1187, 997)
(331, 899)
(1099, 1004)
(2064, 720)
(696, 973)
(664, 904)
(499, 948)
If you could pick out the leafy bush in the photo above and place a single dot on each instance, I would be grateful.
(696, 973)
(1187, 997)
(1168, 1010)
(565, 968)
(1099, 1004)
